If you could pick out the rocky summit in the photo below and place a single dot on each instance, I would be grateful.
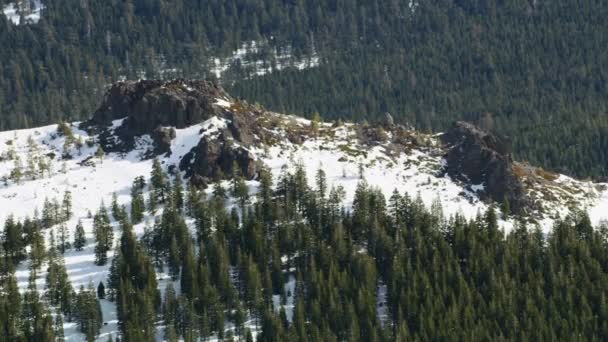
(197, 128)
(152, 103)
(478, 157)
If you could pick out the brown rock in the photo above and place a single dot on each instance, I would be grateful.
(476, 157)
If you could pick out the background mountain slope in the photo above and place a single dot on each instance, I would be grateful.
(531, 70)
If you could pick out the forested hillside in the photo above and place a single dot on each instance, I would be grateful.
(219, 220)
(531, 70)
(291, 264)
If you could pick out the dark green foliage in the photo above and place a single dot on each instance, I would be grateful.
(66, 206)
(104, 235)
(133, 281)
(137, 200)
(452, 278)
(36, 242)
(80, 239)
(88, 313)
(63, 235)
(13, 242)
(58, 287)
(10, 309)
(384, 271)
(158, 185)
(515, 66)
(37, 322)
(101, 290)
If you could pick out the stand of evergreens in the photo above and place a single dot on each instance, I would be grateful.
(531, 70)
(387, 270)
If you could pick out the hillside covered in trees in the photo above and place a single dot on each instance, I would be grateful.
(290, 264)
(224, 221)
(530, 70)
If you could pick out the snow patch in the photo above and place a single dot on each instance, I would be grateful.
(29, 10)
(248, 57)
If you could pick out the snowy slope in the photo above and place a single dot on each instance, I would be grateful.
(335, 149)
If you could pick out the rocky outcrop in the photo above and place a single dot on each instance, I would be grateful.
(216, 158)
(241, 126)
(162, 137)
(477, 157)
(156, 108)
(148, 104)
(149, 107)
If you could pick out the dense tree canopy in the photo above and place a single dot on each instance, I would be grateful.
(294, 265)
(532, 70)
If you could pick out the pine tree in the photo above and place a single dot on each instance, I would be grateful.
(10, 308)
(17, 172)
(64, 243)
(59, 289)
(174, 259)
(240, 191)
(104, 235)
(13, 243)
(37, 320)
(116, 212)
(89, 315)
(158, 183)
(193, 197)
(37, 247)
(100, 153)
(133, 280)
(178, 193)
(170, 307)
(59, 334)
(137, 200)
(219, 195)
(79, 237)
(321, 179)
(505, 208)
(67, 205)
(101, 291)
(48, 219)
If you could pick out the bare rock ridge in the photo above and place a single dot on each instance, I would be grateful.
(156, 108)
(149, 104)
(477, 157)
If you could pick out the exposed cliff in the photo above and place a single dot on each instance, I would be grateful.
(480, 158)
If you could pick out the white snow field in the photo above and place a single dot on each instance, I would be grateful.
(92, 180)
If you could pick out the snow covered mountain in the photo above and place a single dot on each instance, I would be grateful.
(198, 130)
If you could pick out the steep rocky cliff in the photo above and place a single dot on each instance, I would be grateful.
(152, 103)
(480, 158)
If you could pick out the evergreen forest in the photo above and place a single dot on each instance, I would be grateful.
(529, 70)
(289, 263)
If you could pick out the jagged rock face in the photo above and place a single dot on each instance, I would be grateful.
(156, 108)
(241, 127)
(149, 104)
(477, 157)
(214, 159)
(162, 137)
